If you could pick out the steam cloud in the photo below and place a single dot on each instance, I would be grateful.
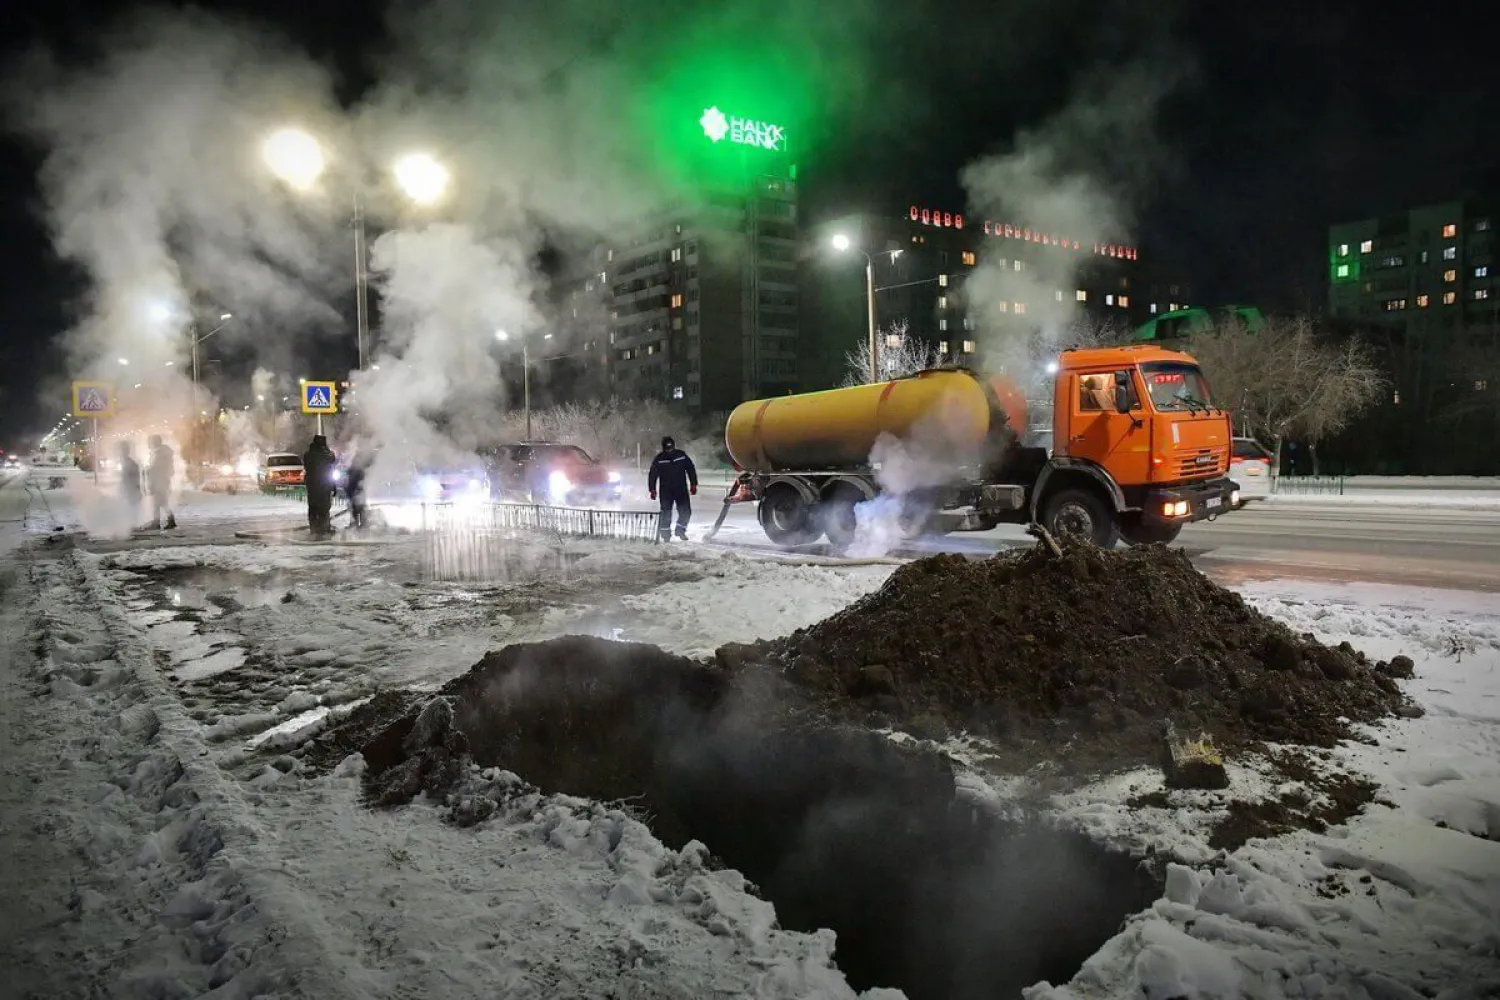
(1079, 175)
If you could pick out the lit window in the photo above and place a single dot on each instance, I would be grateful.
(1483, 271)
(1020, 308)
(676, 254)
(1059, 295)
(942, 302)
(1109, 300)
(942, 347)
(892, 340)
(969, 257)
(1367, 246)
(1396, 397)
(942, 324)
(942, 281)
(1450, 253)
(1481, 293)
(970, 347)
(1343, 271)
(1450, 275)
(1480, 385)
(968, 322)
(1343, 249)
(1395, 305)
(1082, 295)
(1449, 298)
(677, 392)
(1481, 225)
(1004, 307)
(1450, 230)
(677, 301)
(1017, 264)
(609, 255)
(1422, 301)
(1124, 301)
(1153, 308)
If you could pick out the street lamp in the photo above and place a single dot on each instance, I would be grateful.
(842, 244)
(297, 158)
(224, 320)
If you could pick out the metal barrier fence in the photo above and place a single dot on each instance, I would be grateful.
(476, 543)
(1309, 485)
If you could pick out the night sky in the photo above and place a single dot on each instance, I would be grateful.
(1284, 117)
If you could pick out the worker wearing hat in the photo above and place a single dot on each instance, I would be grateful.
(674, 479)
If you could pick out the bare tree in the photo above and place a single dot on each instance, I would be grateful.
(1284, 379)
(898, 352)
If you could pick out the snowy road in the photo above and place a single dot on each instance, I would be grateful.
(1334, 538)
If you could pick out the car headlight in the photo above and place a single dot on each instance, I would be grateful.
(476, 485)
(614, 477)
(558, 483)
(338, 475)
(226, 470)
(432, 489)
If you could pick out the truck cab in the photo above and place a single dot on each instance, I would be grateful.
(1139, 447)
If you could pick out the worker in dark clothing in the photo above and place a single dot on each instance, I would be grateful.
(673, 477)
(354, 487)
(130, 484)
(317, 465)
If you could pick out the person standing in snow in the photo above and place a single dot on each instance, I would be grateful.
(130, 484)
(317, 466)
(673, 477)
(354, 487)
(159, 476)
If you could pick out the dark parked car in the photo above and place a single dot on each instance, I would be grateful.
(549, 473)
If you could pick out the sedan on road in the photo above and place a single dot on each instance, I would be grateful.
(1250, 467)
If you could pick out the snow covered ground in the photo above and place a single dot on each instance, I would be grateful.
(168, 845)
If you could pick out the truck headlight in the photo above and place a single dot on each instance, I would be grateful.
(431, 489)
(614, 477)
(558, 483)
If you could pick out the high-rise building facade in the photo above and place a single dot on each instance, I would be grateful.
(699, 305)
(1419, 286)
(1430, 268)
(924, 260)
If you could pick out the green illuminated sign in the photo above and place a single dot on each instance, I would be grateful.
(742, 131)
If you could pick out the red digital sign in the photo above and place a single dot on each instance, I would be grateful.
(1010, 231)
(1166, 378)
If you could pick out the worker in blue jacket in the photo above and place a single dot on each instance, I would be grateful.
(673, 478)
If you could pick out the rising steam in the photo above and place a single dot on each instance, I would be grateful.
(1081, 174)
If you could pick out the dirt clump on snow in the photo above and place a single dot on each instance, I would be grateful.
(1080, 660)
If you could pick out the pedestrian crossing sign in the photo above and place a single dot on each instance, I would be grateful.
(320, 397)
(93, 399)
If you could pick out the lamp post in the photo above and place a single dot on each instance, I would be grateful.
(297, 159)
(842, 243)
(503, 336)
(224, 320)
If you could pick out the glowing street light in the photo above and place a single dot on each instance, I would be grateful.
(294, 156)
(124, 361)
(843, 244)
(422, 178)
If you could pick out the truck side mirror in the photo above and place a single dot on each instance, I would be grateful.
(1122, 392)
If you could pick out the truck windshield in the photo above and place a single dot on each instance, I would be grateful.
(1176, 386)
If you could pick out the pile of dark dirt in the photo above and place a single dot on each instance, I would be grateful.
(1078, 660)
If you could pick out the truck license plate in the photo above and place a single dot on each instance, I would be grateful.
(1213, 501)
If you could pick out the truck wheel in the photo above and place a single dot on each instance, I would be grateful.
(1137, 532)
(837, 516)
(786, 518)
(1082, 515)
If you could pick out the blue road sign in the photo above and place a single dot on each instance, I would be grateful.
(320, 397)
(93, 399)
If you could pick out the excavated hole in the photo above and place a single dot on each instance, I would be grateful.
(839, 828)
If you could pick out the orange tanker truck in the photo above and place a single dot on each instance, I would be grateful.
(1138, 450)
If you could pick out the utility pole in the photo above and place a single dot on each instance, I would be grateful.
(361, 285)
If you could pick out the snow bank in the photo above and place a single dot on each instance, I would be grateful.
(1403, 901)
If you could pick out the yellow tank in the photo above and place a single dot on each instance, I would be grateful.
(946, 411)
